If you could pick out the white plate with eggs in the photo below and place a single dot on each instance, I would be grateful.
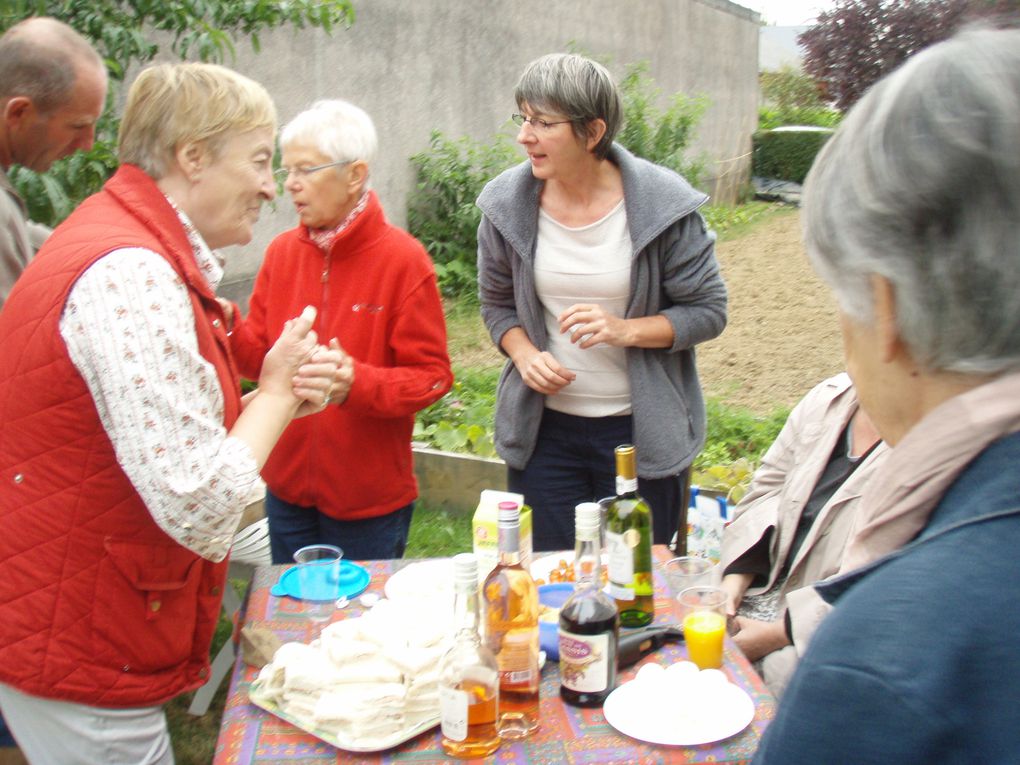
(679, 705)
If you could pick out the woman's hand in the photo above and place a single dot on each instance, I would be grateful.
(735, 585)
(228, 312)
(295, 347)
(757, 638)
(542, 372)
(589, 324)
(325, 380)
(315, 380)
(539, 369)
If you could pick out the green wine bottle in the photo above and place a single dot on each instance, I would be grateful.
(629, 544)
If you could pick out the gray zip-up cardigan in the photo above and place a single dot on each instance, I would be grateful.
(674, 273)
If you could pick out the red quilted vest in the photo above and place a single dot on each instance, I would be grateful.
(97, 604)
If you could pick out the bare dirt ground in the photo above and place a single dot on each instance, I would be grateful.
(782, 336)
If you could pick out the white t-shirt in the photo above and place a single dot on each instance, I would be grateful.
(589, 264)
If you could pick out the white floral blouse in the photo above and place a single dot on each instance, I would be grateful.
(129, 328)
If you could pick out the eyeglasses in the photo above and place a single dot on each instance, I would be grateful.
(520, 119)
(284, 173)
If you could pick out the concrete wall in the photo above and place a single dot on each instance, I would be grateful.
(450, 65)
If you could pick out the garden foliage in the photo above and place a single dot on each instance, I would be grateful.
(791, 97)
(859, 41)
(786, 154)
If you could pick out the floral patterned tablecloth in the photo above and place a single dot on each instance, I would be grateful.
(567, 735)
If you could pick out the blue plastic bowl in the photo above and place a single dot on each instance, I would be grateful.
(553, 596)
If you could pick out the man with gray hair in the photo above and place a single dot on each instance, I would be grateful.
(52, 91)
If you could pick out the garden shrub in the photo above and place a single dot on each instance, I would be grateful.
(441, 211)
(786, 154)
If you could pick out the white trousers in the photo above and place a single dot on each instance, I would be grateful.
(53, 732)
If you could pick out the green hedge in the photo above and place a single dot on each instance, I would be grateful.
(786, 155)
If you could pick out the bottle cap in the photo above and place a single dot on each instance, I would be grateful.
(465, 569)
(508, 513)
(588, 515)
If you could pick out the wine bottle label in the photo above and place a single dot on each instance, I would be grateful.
(621, 562)
(584, 662)
(453, 710)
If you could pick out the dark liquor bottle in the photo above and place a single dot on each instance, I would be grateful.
(629, 544)
(589, 622)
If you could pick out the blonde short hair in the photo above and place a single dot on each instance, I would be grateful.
(170, 104)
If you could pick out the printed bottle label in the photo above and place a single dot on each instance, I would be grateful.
(621, 566)
(584, 662)
(453, 710)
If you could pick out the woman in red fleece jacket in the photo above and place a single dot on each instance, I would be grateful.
(346, 476)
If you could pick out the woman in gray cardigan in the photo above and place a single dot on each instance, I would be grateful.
(597, 277)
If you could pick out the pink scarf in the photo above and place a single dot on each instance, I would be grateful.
(903, 493)
(324, 237)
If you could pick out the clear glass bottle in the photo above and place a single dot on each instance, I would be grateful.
(589, 623)
(629, 544)
(510, 606)
(468, 677)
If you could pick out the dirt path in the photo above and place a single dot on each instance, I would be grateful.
(782, 336)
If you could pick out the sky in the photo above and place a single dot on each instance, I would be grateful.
(785, 13)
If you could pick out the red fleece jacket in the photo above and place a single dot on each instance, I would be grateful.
(376, 292)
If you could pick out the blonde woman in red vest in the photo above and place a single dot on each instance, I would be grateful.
(126, 452)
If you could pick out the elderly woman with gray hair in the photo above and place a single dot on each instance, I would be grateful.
(913, 218)
(597, 277)
(346, 476)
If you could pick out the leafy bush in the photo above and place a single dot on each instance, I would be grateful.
(660, 136)
(442, 213)
(770, 117)
(786, 154)
(791, 97)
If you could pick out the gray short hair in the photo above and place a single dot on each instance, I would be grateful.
(40, 58)
(579, 88)
(338, 129)
(921, 185)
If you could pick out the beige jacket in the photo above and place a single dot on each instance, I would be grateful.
(781, 488)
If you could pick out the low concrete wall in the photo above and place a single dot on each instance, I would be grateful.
(454, 482)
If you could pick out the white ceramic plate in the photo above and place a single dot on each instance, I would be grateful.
(422, 580)
(414, 727)
(679, 715)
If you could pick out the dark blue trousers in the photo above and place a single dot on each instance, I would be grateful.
(292, 527)
(573, 462)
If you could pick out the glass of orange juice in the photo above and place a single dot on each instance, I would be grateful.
(704, 623)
